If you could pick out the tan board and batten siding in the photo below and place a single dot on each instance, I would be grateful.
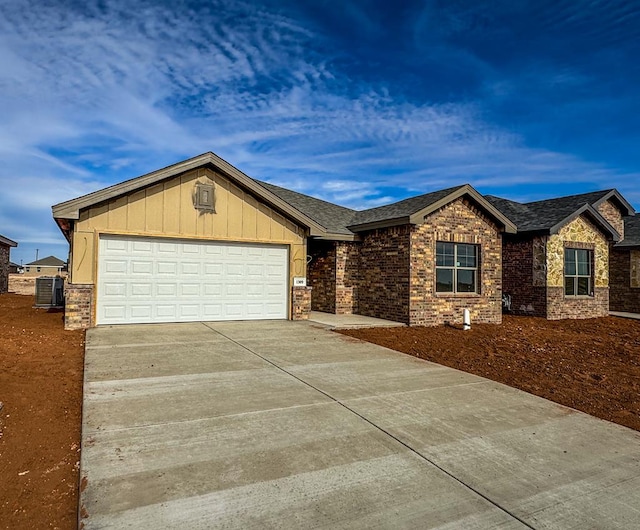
(166, 210)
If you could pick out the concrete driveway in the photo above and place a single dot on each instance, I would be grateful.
(288, 425)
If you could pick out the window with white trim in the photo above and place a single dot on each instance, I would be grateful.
(456, 268)
(578, 267)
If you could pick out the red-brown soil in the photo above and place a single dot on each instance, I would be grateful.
(591, 365)
(41, 391)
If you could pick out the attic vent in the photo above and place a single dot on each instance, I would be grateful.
(203, 197)
(49, 291)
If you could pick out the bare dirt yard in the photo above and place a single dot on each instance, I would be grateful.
(591, 365)
(41, 393)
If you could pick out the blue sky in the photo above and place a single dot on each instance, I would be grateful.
(356, 102)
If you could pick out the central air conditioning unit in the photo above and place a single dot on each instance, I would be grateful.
(49, 291)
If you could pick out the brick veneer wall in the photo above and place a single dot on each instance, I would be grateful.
(77, 306)
(4, 268)
(528, 294)
(623, 296)
(321, 275)
(560, 306)
(383, 284)
(347, 277)
(300, 303)
(459, 221)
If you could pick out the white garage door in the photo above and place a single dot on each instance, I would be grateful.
(144, 280)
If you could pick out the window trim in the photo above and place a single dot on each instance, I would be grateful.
(455, 268)
(591, 256)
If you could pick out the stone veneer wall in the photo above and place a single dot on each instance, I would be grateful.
(524, 274)
(625, 281)
(611, 213)
(383, 286)
(461, 222)
(321, 275)
(77, 306)
(579, 233)
(300, 303)
(4, 268)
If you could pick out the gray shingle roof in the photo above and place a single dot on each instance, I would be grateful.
(631, 232)
(339, 220)
(49, 261)
(404, 208)
(333, 217)
(543, 215)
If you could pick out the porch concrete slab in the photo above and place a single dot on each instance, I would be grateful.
(622, 314)
(351, 321)
(290, 440)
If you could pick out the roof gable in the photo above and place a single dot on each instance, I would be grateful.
(549, 215)
(70, 210)
(414, 209)
(49, 261)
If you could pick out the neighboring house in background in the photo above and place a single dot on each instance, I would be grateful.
(557, 265)
(200, 240)
(49, 266)
(14, 268)
(625, 269)
(5, 249)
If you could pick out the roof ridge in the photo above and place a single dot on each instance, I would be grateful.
(574, 196)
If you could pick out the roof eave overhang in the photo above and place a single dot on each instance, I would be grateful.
(8, 242)
(338, 237)
(595, 215)
(70, 210)
(385, 223)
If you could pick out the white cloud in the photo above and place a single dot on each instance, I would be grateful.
(92, 95)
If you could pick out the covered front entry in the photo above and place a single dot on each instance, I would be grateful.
(147, 280)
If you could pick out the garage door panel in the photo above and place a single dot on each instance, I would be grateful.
(142, 247)
(158, 280)
(166, 289)
(187, 268)
(165, 312)
(141, 289)
(142, 267)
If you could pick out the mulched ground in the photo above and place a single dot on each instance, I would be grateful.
(591, 365)
(41, 391)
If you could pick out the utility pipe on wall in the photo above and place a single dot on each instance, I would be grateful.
(466, 320)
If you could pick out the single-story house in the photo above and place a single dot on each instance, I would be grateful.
(5, 249)
(49, 266)
(557, 265)
(200, 240)
(14, 268)
(625, 269)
